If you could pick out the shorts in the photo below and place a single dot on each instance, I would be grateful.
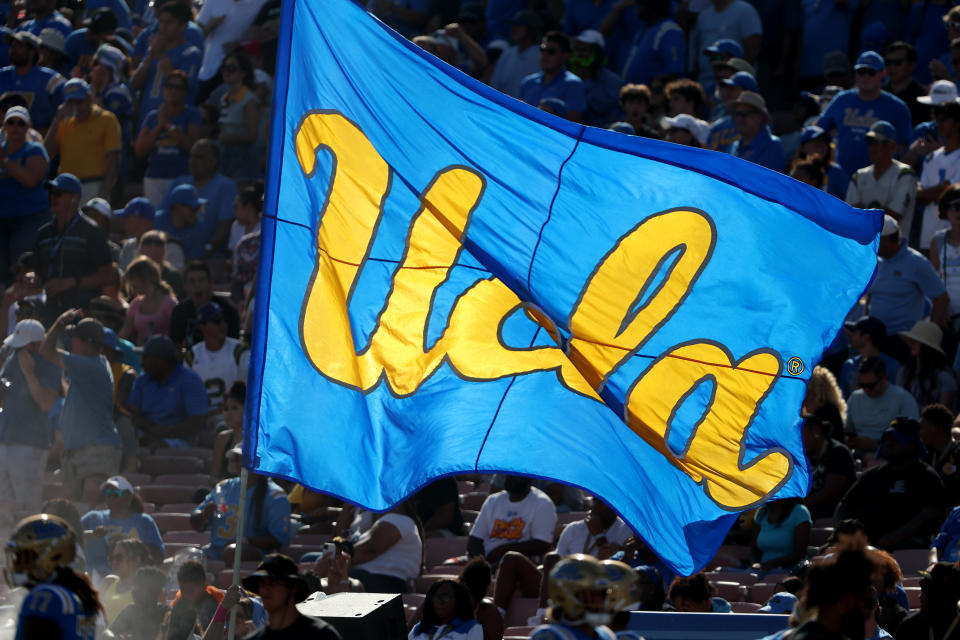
(93, 460)
(22, 469)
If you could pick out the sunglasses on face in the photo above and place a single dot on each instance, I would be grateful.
(953, 24)
(112, 493)
(896, 62)
(550, 51)
(178, 87)
(16, 122)
(56, 193)
(866, 72)
(230, 68)
(742, 114)
(869, 385)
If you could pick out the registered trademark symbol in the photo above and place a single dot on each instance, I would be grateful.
(795, 366)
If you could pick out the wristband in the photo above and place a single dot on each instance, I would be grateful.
(220, 615)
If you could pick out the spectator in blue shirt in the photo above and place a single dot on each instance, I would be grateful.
(814, 141)
(826, 27)
(83, 43)
(42, 87)
(851, 113)
(724, 132)
(554, 81)
(168, 50)
(45, 15)
(926, 30)
(52, 52)
(756, 143)
(118, 8)
(188, 221)
(168, 401)
(601, 86)
(659, 50)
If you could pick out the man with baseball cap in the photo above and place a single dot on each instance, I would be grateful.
(724, 132)
(756, 143)
(554, 80)
(886, 183)
(866, 336)
(88, 433)
(88, 140)
(903, 282)
(30, 387)
(219, 359)
(83, 43)
(42, 87)
(852, 112)
(940, 169)
(280, 586)
(188, 222)
(70, 255)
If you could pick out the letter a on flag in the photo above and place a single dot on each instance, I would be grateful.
(452, 281)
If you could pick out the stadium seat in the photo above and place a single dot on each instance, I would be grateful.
(439, 549)
(157, 465)
(520, 610)
(196, 538)
(744, 607)
(312, 539)
(911, 581)
(482, 487)
(224, 578)
(473, 500)
(446, 570)
(413, 599)
(740, 576)
(177, 507)
(761, 592)
(912, 560)
(464, 486)
(822, 523)
(729, 556)
(204, 453)
(913, 596)
(820, 535)
(137, 479)
(423, 582)
(148, 507)
(520, 632)
(731, 591)
(167, 493)
(172, 521)
(194, 479)
(173, 548)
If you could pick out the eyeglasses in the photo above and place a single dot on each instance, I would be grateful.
(869, 385)
(550, 51)
(953, 24)
(953, 206)
(56, 193)
(112, 493)
(230, 68)
(743, 114)
(866, 72)
(895, 62)
(16, 122)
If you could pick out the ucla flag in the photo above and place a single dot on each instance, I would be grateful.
(452, 281)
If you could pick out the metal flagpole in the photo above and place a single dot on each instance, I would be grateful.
(238, 552)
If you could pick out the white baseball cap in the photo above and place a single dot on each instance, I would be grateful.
(118, 482)
(101, 206)
(27, 331)
(890, 226)
(697, 128)
(941, 91)
(591, 36)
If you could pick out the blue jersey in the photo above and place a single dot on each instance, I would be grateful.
(661, 49)
(184, 57)
(565, 85)
(553, 631)
(947, 542)
(96, 549)
(61, 606)
(274, 519)
(723, 133)
(119, 8)
(42, 88)
(168, 159)
(193, 35)
(765, 150)
(55, 20)
(826, 27)
(852, 117)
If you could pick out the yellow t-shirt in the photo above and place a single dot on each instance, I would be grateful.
(84, 145)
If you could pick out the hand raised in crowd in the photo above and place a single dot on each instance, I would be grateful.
(231, 597)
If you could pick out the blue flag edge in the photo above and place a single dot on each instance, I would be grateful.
(771, 187)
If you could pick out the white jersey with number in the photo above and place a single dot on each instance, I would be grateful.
(220, 369)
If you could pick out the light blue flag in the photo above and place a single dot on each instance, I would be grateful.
(452, 281)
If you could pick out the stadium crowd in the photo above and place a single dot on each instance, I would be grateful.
(131, 190)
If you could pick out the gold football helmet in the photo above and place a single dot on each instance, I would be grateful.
(39, 545)
(578, 588)
(623, 594)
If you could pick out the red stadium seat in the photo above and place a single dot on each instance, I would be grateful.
(520, 632)
(413, 599)
(157, 465)
(193, 479)
(744, 607)
(423, 582)
(473, 500)
(761, 592)
(912, 560)
(196, 538)
(731, 591)
(520, 610)
(177, 507)
(464, 486)
(172, 521)
(167, 493)
(137, 479)
(204, 453)
(913, 595)
(439, 549)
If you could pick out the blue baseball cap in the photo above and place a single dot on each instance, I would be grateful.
(882, 131)
(187, 194)
(109, 56)
(781, 602)
(66, 182)
(140, 207)
(812, 133)
(110, 338)
(209, 311)
(870, 60)
(75, 89)
(556, 106)
(741, 79)
(623, 127)
(727, 46)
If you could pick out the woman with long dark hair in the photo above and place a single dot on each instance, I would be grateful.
(925, 374)
(239, 120)
(781, 534)
(448, 614)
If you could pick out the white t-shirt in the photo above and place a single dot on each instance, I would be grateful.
(937, 168)
(896, 190)
(737, 22)
(576, 538)
(402, 560)
(237, 231)
(469, 630)
(239, 16)
(502, 521)
(220, 369)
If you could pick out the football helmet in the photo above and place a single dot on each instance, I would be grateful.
(39, 545)
(578, 587)
(623, 594)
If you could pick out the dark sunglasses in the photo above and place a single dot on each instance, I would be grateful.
(869, 385)
(953, 24)
(177, 86)
(953, 206)
(230, 68)
(112, 493)
(866, 72)
(742, 114)
(895, 62)
(56, 193)
(550, 51)
(16, 122)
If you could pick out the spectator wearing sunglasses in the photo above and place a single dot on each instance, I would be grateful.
(24, 206)
(900, 59)
(852, 112)
(872, 407)
(123, 518)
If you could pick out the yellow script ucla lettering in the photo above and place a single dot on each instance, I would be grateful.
(623, 303)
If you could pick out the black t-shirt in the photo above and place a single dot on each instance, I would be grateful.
(836, 460)
(303, 628)
(813, 630)
(918, 112)
(884, 499)
(183, 320)
(77, 251)
(916, 626)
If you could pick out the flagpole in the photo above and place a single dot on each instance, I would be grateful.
(238, 551)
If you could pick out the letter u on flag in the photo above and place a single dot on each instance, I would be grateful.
(452, 281)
